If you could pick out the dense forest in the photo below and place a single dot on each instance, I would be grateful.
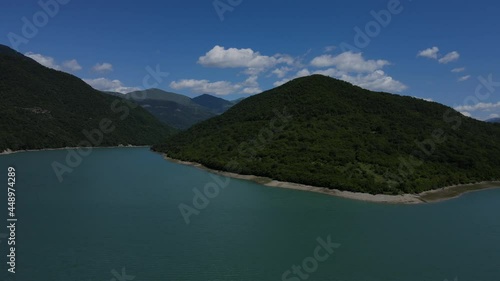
(325, 132)
(46, 108)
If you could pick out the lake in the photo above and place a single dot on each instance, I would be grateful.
(116, 217)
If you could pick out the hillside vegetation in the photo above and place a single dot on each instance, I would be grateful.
(341, 136)
(45, 108)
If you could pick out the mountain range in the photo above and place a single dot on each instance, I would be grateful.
(177, 110)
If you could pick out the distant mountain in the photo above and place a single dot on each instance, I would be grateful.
(176, 110)
(44, 108)
(325, 132)
(494, 120)
(215, 104)
(236, 101)
(159, 95)
(116, 94)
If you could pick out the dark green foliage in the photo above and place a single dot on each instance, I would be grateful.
(45, 108)
(342, 136)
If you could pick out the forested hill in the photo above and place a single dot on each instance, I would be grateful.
(45, 108)
(329, 133)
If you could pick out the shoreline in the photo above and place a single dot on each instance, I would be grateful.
(431, 196)
(9, 151)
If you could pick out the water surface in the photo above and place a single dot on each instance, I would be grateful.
(119, 210)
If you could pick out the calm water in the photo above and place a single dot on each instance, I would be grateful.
(119, 211)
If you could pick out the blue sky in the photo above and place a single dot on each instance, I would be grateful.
(444, 51)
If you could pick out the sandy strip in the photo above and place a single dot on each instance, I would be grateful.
(8, 151)
(431, 196)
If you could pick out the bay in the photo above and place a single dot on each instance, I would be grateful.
(118, 213)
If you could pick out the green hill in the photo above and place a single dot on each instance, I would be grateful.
(45, 108)
(173, 109)
(344, 137)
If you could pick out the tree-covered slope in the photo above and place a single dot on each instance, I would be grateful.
(341, 136)
(45, 108)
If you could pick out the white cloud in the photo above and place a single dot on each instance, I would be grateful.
(494, 115)
(450, 57)
(281, 72)
(281, 82)
(479, 107)
(464, 78)
(431, 53)
(251, 90)
(104, 84)
(349, 62)
(50, 62)
(72, 65)
(44, 60)
(103, 67)
(329, 49)
(204, 86)
(253, 61)
(465, 113)
(458, 70)
(300, 73)
(234, 58)
(375, 81)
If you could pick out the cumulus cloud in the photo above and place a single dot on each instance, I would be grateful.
(103, 67)
(301, 73)
(458, 70)
(253, 61)
(482, 106)
(205, 86)
(431, 53)
(354, 68)
(375, 81)
(281, 72)
(349, 62)
(50, 62)
(232, 58)
(450, 57)
(250, 86)
(251, 90)
(104, 84)
(464, 78)
(465, 113)
(494, 115)
(44, 60)
(72, 65)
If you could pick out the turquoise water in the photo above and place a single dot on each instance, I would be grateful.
(119, 210)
